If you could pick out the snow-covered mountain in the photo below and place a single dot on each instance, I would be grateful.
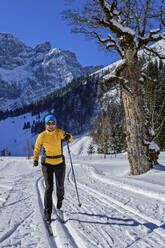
(28, 74)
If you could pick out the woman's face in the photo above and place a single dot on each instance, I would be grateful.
(50, 125)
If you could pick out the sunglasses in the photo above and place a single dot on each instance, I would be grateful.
(50, 123)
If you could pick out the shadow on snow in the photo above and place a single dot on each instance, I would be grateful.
(112, 221)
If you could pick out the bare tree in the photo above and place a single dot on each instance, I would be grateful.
(127, 26)
(28, 148)
(101, 133)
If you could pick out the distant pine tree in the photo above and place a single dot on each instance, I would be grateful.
(91, 149)
(155, 96)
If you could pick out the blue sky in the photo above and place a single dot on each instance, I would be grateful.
(37, 21)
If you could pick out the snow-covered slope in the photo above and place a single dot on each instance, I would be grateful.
(14, 137)
(71, 110)
(28, 74)
(117, 211)
(159, 47)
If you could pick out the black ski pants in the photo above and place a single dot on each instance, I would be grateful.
(48, 173)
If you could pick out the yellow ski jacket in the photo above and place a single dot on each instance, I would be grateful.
(52, 145)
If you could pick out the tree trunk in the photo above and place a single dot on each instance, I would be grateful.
(137, 150)
(139, 136)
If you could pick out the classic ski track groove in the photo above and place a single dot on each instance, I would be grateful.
(97, 234)
(74, 235)
(119, 206)
(51, 239)
(134, 189)
(70, 239)
(131, 188)
(100, 232)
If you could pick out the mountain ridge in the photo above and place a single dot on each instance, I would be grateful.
(28, 74)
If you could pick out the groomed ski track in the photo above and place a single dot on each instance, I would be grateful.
(114, 211)
(63, 234)
(150, 230)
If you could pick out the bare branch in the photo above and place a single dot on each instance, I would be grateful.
(112, 44)
(149, 49)
(145, 18)
(137, 17)
(120, 80)
(108, 9)
(146, 77)
(104, 40)
(153, 36)
(128, 12)
(115, 77)
(117, 71)
(161, 14)
(116, 47)
(111, 20)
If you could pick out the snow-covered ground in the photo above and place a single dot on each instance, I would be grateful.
(118, 210)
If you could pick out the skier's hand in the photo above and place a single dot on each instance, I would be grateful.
(35, 163)
(67, 137)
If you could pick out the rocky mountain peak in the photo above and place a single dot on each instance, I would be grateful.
(12, 51)
(44, 47)
(28, 74)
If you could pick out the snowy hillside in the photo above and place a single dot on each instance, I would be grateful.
(117, 211)
(15, 138)
(159, 47)
(71, 110)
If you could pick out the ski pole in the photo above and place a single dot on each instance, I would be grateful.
(73, 175)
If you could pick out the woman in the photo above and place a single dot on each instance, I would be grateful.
(52, 161)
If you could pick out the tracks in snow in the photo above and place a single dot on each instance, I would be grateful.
(17, 212)
(99, 219)
(105, 220)
(64, 235)
(149, 226)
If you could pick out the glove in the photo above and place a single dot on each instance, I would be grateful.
(35, 163)
(67, 137)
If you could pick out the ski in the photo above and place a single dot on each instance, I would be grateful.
(60, 215)
(48, 227)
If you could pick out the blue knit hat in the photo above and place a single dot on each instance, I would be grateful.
(50, 117)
